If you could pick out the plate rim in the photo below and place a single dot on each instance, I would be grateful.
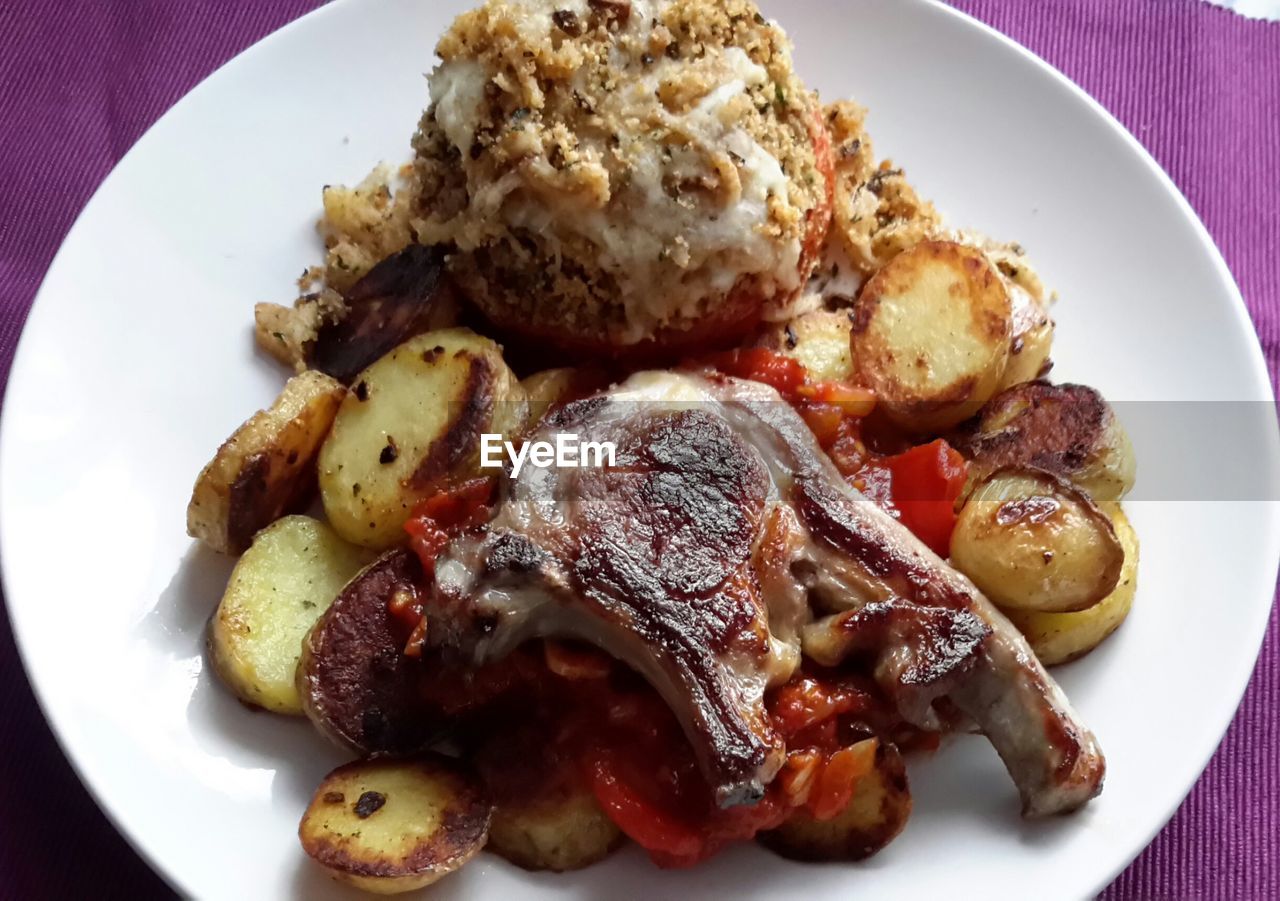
(1258, 371)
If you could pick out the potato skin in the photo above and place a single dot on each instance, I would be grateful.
(1031, 541)
(1068, 430)
(284, 582)
(819, 340)
(1062, 637)
(876, 814)
(266, 468)
(356, 684)
(410, 426)
(394, 826)
(402, 296)
(931, 335)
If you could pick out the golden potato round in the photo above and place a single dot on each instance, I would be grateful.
(545, 815)
(354, 681)
(391, 826)
(560, 831)
(1030, 541)
(1031, 339)
(411, 424)
(266, 468)
(931, 335)
(1068, 430)
(279, 588)
(818, 340)
(1062, 637)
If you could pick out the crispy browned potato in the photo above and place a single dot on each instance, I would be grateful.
(412, 425)
(391, 826)
(1063, 637)
(1068, 430)
(819, 340)
(877, 812)
(404, 295)
(545, 817)
(1031, 541)
(266, 468)
(355, 682)
(931, 335)
(284, 582)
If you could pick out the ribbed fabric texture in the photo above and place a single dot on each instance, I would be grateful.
(80, 80)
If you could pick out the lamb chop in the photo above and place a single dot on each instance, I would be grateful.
(697, 559)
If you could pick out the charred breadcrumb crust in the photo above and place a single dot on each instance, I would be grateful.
(562, 138)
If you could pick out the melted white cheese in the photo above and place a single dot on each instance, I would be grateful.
(457, 91)
(668, 258)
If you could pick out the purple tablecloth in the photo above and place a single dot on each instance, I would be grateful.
(1200, 87)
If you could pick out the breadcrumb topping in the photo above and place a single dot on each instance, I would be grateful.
(876, 213)
(617, 167)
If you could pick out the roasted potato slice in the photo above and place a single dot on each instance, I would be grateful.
(877, 812)
(1031, 340)
(404, 295)
(279, 588)
(411, 425)
(545, 817)
(266, 468)
(819, 340)
(1063, 637)
(556, 830)
(1031, 541)
(931, 335)
(355, 682)
(391, 826)
(1068, 430)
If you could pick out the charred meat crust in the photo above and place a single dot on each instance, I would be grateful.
(935, 644)
(392, 303)
(1019, 706)
(356, 683)
(655, 559)
(666, 547)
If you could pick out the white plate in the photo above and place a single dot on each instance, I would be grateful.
(137, 362)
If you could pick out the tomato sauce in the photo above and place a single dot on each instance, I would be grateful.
(919, 485)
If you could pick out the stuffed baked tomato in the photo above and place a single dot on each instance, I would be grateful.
(624, 180)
